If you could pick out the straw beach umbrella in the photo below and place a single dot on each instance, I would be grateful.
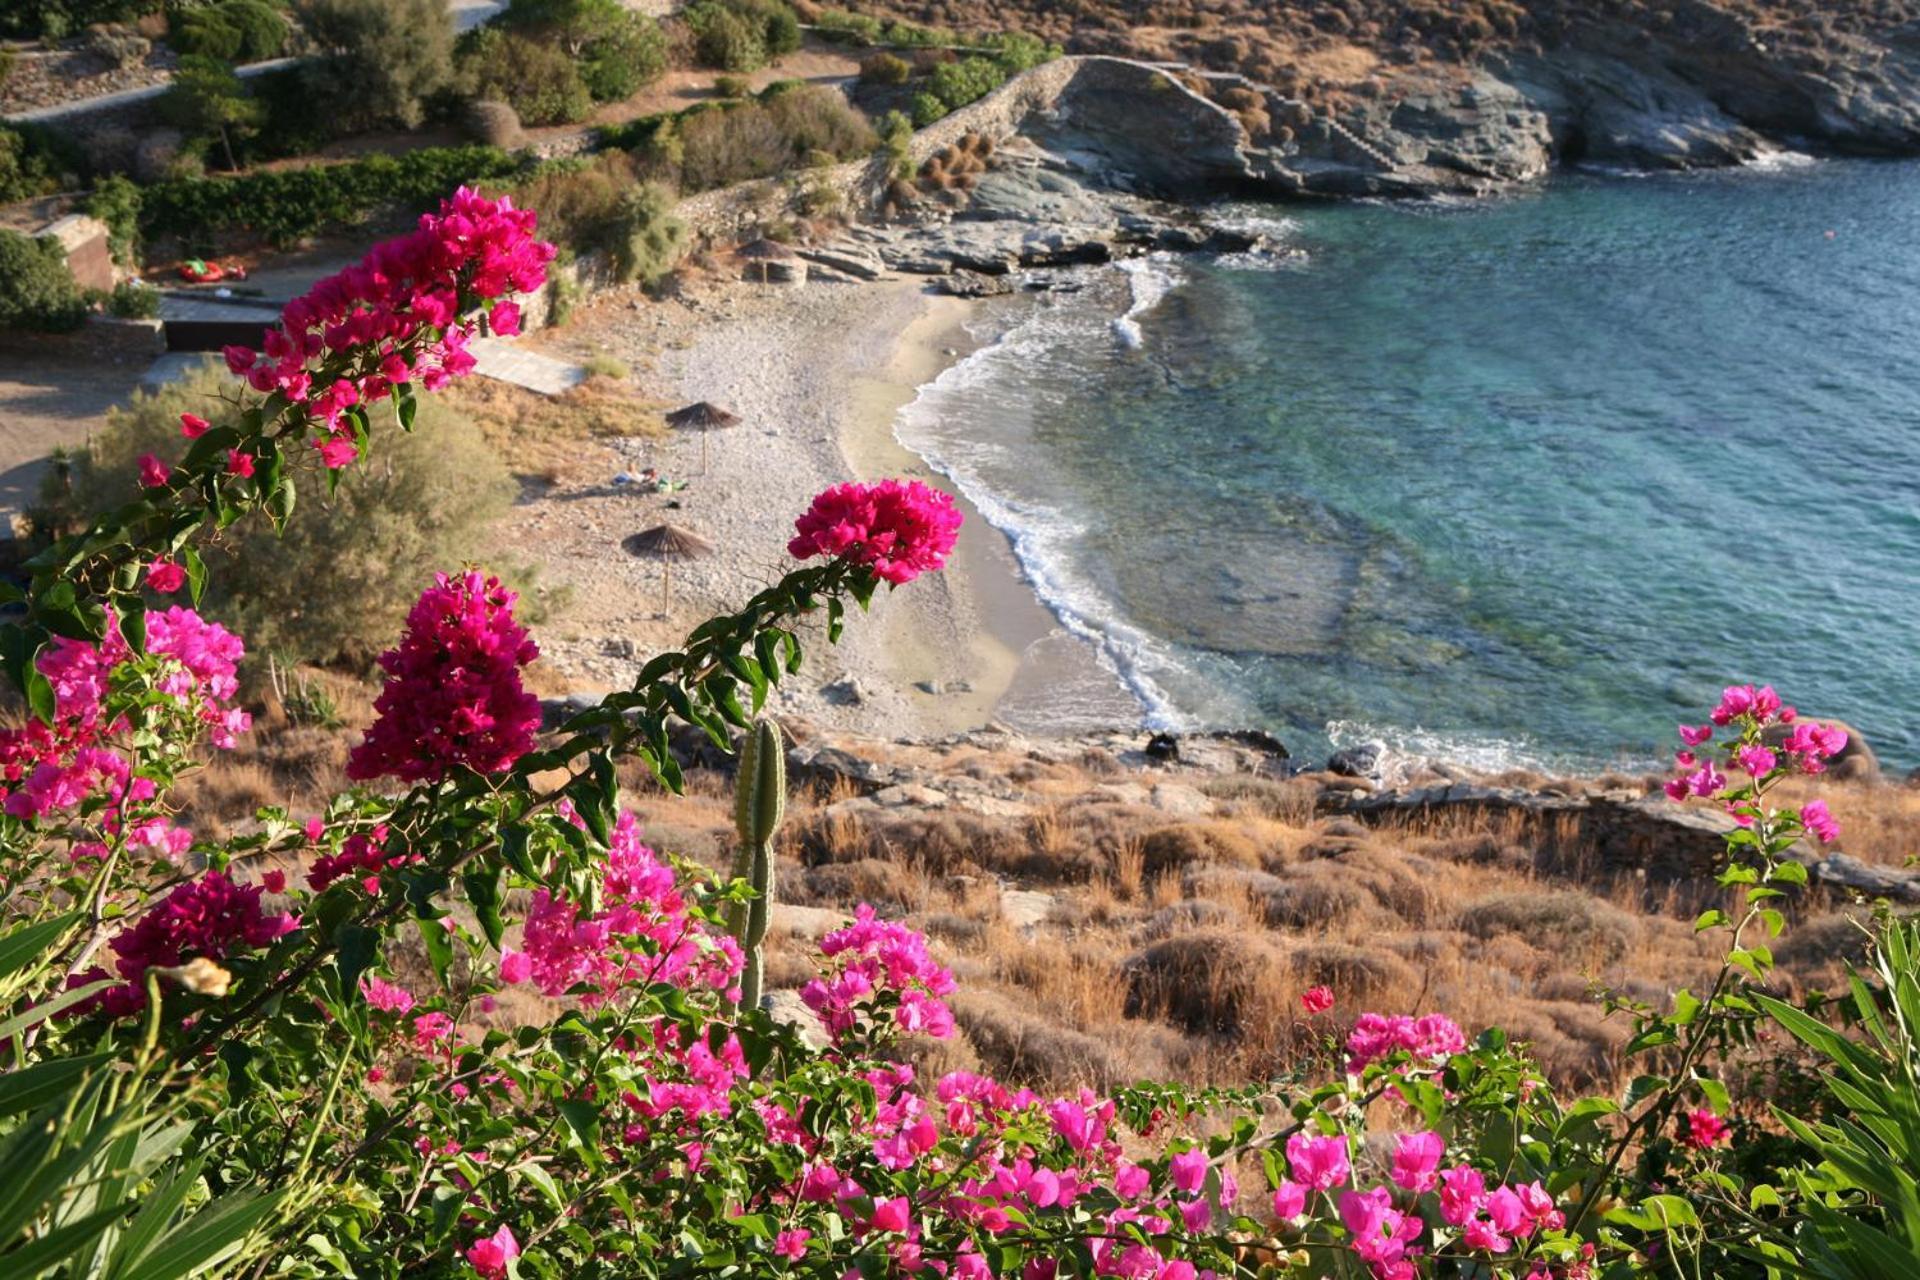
(667, 543)
(764, 251)
(705, 416)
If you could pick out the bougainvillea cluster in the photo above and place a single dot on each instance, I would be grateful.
(1765, 740)
(104, 694)
(403, 314)
(880, 969)
(642, 932)
(899, 529)
(210, 918)
(453, 697)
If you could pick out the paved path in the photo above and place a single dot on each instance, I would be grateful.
(508, 361)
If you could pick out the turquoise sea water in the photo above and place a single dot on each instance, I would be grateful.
(1524, 480)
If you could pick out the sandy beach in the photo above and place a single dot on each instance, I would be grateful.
(816, 375)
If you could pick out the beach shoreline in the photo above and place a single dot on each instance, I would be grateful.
(817, 376)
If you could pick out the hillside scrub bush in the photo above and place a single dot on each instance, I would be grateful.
(37, 292)
(207, 102)
(134, 300)
(618, 51)
(756, 139)
(230, 31)
(884, 69)
(219, 1062)
(724, 38)
(538, 79)
(28, 166)
(116, 202)
(432, 493)
(380, 63)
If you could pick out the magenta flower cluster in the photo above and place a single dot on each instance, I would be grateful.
(880, 965)
(84, 753)
(453, 696)
(397, 314)
(1768, 740)
(642, 933)
(210, 917)
(898, 529)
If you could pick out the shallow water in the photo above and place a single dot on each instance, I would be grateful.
(1522, 481)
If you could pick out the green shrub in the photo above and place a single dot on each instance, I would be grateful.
(208, 103)
(726, 40)
(850, 28)
(336, 585)
(885, 69)
(618, 52)
(382, 61)
(926, 109)
(646, 239)
(134, 300)
(27, 167)
(968, 80)
(232, 31)
(286, 206)
(537, 79)
(732, 86)
(816, 119)
(116, 202)
(56, 19)
(896, 135)
(760, 140)
(37, 292)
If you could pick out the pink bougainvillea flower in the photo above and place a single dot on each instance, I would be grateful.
(274, 881)
(1819, 820)
(491, 1255)
(504, 319)
(239, 464)
(166, 576)
(1316, 999)
(1318, 1163)
(900, 530)
(385, 996)
(1694, 735)
(153, 472)
(792, 1244)
(893, 1214)
(453, 696)
(193, 426)
(1704, 1129)
(1756, 760)
(515, 967)
(1289, 1200)
(1416, 1160)
(1188, 1170)
(337, 452)
(1462, 1192)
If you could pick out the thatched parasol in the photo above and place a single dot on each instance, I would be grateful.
(764, 251)
(705, 416)
(666, 543)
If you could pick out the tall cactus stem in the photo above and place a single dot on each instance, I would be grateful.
(759, 807)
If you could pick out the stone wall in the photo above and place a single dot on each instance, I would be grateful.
(85, 242)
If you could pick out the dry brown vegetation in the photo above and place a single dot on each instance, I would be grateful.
(1328, 48)
(1099, 936)
(539, 435)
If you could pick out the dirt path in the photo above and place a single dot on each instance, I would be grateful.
(54, 393)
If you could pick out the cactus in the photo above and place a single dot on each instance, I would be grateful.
(759, 806)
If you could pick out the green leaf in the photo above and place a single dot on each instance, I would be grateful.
(196, 573)
(208, 1237)
(53, 1004)
(483, 895)
(439, 946)
(21, 947)
(39, 1084)
(355, 949)
(40, 696)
